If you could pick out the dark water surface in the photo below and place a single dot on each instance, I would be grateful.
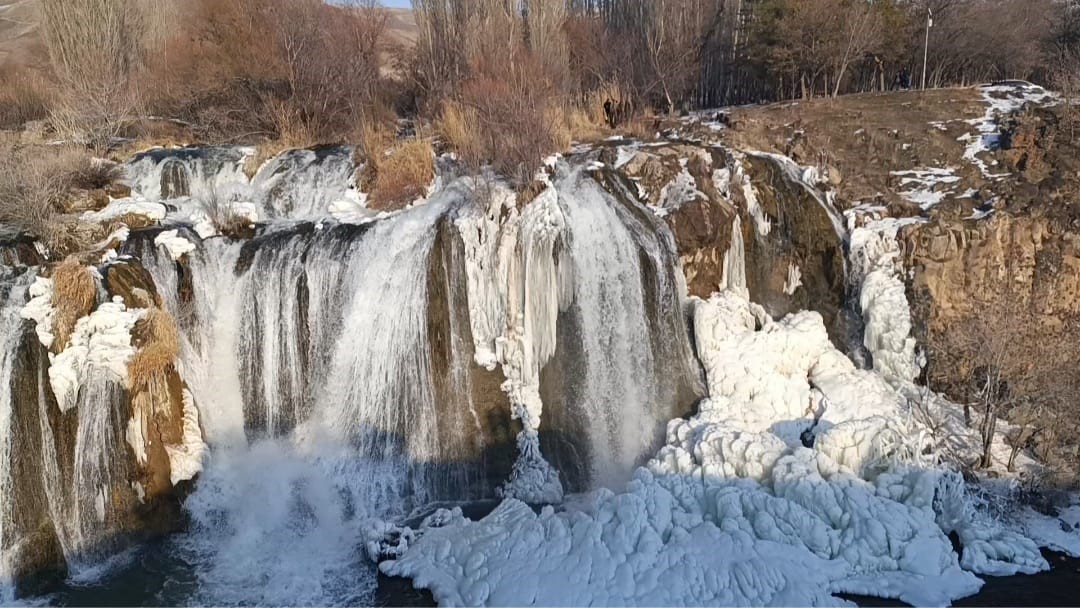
(164, 573)
(1059, 586)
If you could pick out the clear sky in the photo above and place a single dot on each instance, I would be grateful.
(397, 3)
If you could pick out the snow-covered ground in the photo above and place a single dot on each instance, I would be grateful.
(1000, 99)
(926, 187)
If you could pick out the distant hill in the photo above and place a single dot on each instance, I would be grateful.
(20, 43)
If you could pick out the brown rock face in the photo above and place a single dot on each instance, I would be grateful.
(18, 249)
(476, 434)
(962, 267)
(801, 231)
(132, 282)
(801, 234)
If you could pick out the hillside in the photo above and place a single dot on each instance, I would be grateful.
(19, 41)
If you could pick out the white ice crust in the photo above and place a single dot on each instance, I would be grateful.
(735, 509)
(176, 245)
(100, 344)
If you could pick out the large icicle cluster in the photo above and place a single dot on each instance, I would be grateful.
(876, 267)
(516, 288)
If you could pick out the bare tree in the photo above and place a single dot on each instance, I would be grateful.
(94, 47)
(860, 30)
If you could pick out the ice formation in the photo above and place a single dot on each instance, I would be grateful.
(736, 509)
(794, 279)
(100, 344)
(516, 289)
(176, 245)
(753, 207)
(679, 191)
(40, 310)
(876, 264)
(185, 459)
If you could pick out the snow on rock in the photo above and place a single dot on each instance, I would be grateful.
(127, 206)
(351, 209)
(680, 190)
(185, 459)
(926, 187)
(101, 343)
(1060, 532)
(40, 310)
(1000, 99)
(177, 246)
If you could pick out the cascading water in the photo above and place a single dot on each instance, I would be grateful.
(633, 353)
(308, 183)
(346, 374)
(12, 296)
(294, 185)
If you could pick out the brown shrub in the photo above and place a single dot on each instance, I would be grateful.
(74, 296)
(402, 175)
(35, 180)
(158, 345)
(297, 70)
(94, 48)
(65, 235)
(24, 97)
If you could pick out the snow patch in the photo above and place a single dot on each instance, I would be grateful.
(1000, 99)
(923, 186)
(100, 344)
(177, 246)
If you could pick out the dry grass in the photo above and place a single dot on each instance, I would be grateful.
(74, 296)
(457, 125)
(65, 235)
(402, 175)
(36, 180)
(134, 221)
(23, 98)
(158, 342)
(220, 213)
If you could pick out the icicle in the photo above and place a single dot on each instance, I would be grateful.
(794, 279)
(734, 275)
